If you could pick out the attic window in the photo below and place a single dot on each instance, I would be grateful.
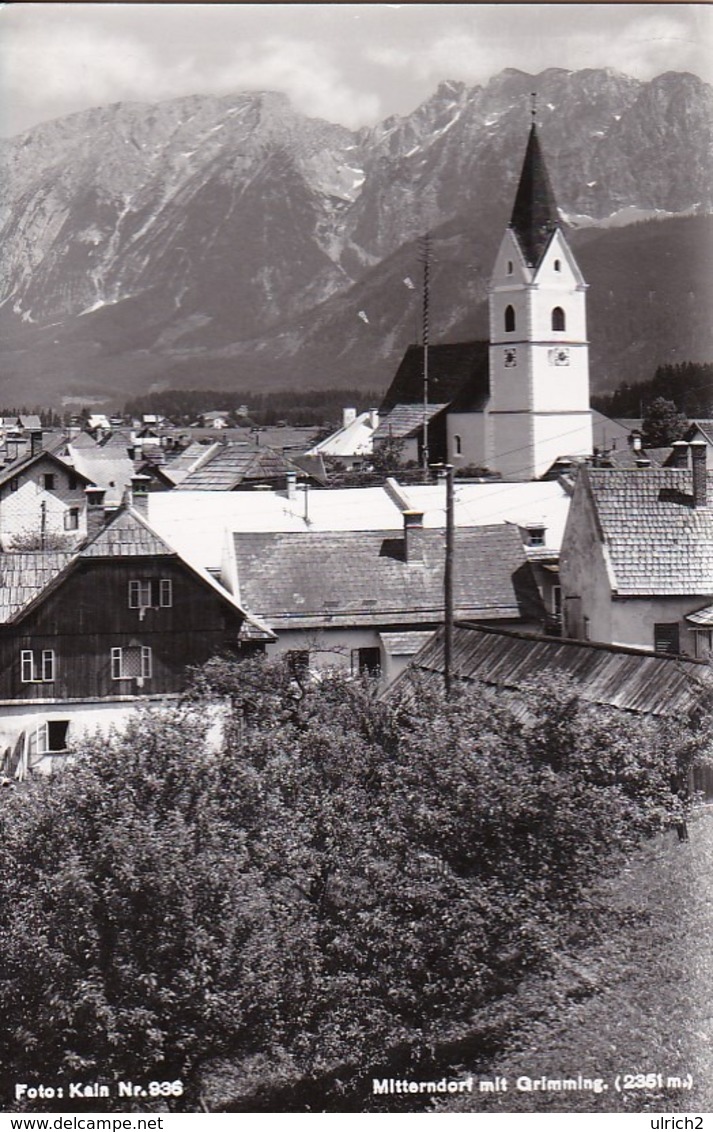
(509, 319)
(48, 481)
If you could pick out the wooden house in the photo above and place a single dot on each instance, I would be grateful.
(117, 621)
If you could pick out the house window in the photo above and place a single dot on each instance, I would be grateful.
(366, 662)
(457, 445)
(556, 600)
(666, 638)
(72, 483)
(298, 661)
(150, 593)
(558, 319)
(37, 666)
(52, 736)
(131, 663)
(48, 481)
(703, 639)
(71, 519)
(536, 536)
(14, 483)
(509, 319)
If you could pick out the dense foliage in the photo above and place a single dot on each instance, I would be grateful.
(307, 407)
(688, 385)
(342, 877)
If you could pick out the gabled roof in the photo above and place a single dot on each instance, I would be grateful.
(623, 678)
(26, 462)
(24, 576)
(128, 535)
(657, 542)
(26, 579)
(452, 366)
(233, 464)
(404, 421)
(109, 468)
(345, 578)
(534, 215)
(352, 439)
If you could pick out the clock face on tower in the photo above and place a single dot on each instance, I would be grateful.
(510, 356)
(558, 356)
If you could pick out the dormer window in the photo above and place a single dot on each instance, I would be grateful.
(536, 536)
(509, 319)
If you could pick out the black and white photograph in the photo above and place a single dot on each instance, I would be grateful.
(356, 561)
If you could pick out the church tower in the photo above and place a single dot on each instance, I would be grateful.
(539, 359)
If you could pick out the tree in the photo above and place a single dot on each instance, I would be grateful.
(340, 882)
(662, 424)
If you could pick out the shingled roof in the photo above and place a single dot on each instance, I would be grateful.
(656, 540)
(534, 215)
(342, 578)
(127, 536)
(404, 421)
(24, 576)
(623, 678)
(232, 465)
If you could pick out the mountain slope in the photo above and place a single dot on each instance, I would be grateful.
(234, 239)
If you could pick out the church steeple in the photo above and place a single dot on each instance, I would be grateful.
(534, 215)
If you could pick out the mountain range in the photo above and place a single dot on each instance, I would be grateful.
(233, 242)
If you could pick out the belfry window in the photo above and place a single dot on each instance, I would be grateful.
(509, 318)
(558, 319)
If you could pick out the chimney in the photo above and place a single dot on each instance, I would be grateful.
(348, 417)
(698, 462)
(96, 514)
(413, 536)
(373, 418)
(635, 440)
(679, 454)
(35, 442)
(139, 495)
(292, 485)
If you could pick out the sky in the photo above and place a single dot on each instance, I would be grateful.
(349, 63)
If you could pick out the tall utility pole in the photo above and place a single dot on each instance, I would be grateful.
(448, 582)
(426, 260)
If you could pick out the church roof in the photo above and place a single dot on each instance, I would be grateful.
(452, 366)
(534, 215)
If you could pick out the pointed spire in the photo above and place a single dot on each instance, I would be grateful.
(534, 215)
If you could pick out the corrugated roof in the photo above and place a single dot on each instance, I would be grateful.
(657, 541)
(24, 576)
(344, 578)
(626, 679)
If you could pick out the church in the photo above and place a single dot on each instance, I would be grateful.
(519, 403)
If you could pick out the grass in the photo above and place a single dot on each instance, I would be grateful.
(636, 998)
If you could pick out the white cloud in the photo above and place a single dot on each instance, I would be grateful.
(305, 73)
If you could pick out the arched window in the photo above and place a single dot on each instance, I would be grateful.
(509, 318)
(457, 447)
(558, 319)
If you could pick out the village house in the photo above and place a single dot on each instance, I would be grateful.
(636, 565)
(86, 636)
(364, 600)
(42, 503)
(352, 444)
